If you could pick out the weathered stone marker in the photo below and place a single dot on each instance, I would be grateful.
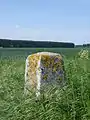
(42, 69)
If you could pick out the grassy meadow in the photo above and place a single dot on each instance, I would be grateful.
(72, 102)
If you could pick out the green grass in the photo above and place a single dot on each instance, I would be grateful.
(72, 102)
(23, 52)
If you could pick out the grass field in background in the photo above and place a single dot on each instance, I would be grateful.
(23, 52)
(72, 102)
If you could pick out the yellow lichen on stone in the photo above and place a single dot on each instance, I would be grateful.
(33, 62)
(45, 76)
(52, 63)
(46, 60)
(49, 61)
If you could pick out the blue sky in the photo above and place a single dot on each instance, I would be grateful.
(55, 20)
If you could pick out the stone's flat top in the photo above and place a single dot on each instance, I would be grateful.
(45, 54)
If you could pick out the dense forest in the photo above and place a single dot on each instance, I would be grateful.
(33, 44)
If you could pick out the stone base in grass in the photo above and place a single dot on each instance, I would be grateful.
(43, 69)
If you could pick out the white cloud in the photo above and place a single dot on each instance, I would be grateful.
(17, 26)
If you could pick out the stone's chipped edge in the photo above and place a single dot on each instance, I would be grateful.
(26, 76)
(38, 74)
(26, 69)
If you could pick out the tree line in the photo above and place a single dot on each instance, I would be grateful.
(33, 44)
(84, 45)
